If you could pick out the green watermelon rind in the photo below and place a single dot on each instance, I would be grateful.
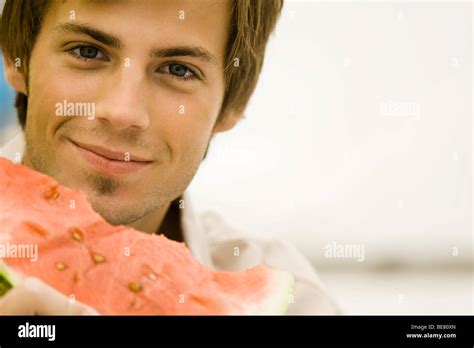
(8, 279)
(277, 303)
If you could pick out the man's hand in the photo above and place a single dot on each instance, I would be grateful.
(31, 296)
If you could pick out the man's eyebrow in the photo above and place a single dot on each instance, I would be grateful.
(96, 34)
(183, 51)
(114, 42)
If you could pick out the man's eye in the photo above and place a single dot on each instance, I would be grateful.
(86, 52)
(178, 71)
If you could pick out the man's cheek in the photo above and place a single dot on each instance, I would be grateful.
(45, 93)
(193, 151)
(39, 119)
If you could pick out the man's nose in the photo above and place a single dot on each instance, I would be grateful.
(123, 103)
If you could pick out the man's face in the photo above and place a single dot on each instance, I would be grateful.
(151, 76)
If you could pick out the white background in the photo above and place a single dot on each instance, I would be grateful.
(316, 160)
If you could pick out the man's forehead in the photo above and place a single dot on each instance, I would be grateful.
(186, 5)
(183, 11)
(179, 17)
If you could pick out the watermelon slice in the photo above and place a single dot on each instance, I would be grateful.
(115, 269)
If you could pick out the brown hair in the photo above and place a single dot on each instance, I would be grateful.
(252, 22)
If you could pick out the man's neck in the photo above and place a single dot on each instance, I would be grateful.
(165, 220)
(171, 224)
(151, 223)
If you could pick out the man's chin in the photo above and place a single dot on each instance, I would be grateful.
(114, 214)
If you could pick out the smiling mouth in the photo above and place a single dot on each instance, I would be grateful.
(111, 162)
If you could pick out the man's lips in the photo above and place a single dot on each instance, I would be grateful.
(123, 156)
(110, 162)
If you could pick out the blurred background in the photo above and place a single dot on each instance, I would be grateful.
(358, 138)
(360, 134)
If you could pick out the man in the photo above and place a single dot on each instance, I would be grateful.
(120, 99)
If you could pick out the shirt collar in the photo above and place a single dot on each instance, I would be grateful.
(193, 232)
(14, 148)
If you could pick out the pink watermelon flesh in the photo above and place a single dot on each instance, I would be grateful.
(116, 269)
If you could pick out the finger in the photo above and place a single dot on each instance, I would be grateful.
(17, 302)
(53, 302)
(31, 296)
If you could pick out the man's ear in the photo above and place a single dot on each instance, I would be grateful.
(230, 119)
(14, 75)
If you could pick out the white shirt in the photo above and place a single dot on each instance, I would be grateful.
(213, 243)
